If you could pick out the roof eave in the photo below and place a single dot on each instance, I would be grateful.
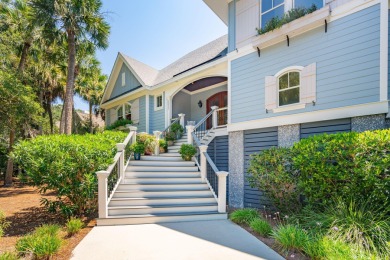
(220, 8)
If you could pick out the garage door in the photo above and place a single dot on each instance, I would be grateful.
(255, 141)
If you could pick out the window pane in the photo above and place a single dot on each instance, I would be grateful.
(278, 2)
(283, 81)
(266, 5)
(294, 79)
(127, 109)
(120, 112)
(265, 18)
(308, 3)
(289, 96)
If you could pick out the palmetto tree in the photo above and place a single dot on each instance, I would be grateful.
(79, 20)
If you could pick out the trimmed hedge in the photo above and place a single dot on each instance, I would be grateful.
(67, 165)
(326, 167)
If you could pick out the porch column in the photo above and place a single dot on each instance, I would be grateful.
(215, 116)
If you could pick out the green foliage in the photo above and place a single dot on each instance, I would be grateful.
(42, 243)
(244, 216)
(261, 227)
(8, 256)
(170, 136)
(4, 224)
(138, 148)
(118, 123)
(163, 144)
(326, 167)
(187, 151)
(68, 166)
(73, 226)
(149, 142)
(177, 128)
(271, 171)
(345, 165)
(290, 237)
(291, 15)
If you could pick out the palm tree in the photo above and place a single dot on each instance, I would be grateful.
(79, 20)
(91, 85)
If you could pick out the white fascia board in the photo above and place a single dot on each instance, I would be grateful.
(110, 84)
(119, 100)
(220, 8)
(322, 115)
(133, 71)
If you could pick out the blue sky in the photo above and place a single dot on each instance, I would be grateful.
(156, 32)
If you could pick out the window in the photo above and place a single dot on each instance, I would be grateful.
(158, 102)
(289, 84)
(308, 3)
(123, 79)
(119, 113)
(271, 9)
(128, 111)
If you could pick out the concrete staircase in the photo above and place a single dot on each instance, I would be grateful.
(160, 189)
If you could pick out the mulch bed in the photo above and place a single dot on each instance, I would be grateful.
(22, 206)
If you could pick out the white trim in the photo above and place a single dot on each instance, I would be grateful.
(229, 91)
(384, 44)
(205, 89)
(147, 113)
(155, 102)
(288, 69)
(321, 115)
(289, 107)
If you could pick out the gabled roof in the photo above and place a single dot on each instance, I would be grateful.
(150, 77)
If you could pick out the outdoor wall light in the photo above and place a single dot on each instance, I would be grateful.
(200, 104)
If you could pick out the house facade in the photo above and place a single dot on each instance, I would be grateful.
(325, 72)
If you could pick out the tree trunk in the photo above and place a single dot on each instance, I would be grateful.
(68, 104)
(62, 120)
(50, 113)
(90, 117)
(43, 114)
(23, 57)
(10, 162)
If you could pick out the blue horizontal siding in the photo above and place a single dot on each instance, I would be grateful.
(328, 127)
(347, 58)
(130, 80)
(157, 118)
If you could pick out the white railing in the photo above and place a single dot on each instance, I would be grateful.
(221, 116)
(109, 179)
(215, 179)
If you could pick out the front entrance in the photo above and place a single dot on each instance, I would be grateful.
(219, 99)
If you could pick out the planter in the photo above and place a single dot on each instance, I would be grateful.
(187, 158)
(170, 143)
(178, 136)
(137, 156)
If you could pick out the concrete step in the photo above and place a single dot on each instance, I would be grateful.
(163, 194)
(170, 154)
(162, 169)
(162, 209)
(174, 147)
(132, 174)
(161, 158)
(160, 201)
(173, 150)
(160, 163)
(159, 218)
(167, 187)
(162, 180)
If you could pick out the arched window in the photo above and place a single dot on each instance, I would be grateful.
(289, 87)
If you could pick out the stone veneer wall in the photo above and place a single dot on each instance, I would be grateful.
(371, 122)
(236, 169)
(288, 135)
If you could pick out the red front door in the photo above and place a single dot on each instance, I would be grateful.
(220, 100)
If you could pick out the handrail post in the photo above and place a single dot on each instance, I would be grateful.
(134, 138)
(215, 116)
(222, 176)
(190, 129)
(157, 146)
(102, 192)
(203, 162)
(121, 149)
(181, 116)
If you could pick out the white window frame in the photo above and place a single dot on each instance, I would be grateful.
(123, 79)
(156, 108)
(123, 110)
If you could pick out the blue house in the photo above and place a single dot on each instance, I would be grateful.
(325, 72)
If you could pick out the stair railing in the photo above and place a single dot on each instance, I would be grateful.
(179, 119)
(202, 127)
(215, 179)
(109, 180)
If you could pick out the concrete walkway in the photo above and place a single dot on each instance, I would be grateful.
(201, 240)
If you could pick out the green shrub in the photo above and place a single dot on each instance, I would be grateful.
(271, 171)
(67, 164)
(149, 142)
(345, 165)
(73, 226)
(4, 224)
(163, 144)
(290, 237)
(187, 151)
(244, 216)
(177, 129)
(118, 123)
(42, 243)
(8, 256)
(170, 136)
(261, 227)
(138, 148)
